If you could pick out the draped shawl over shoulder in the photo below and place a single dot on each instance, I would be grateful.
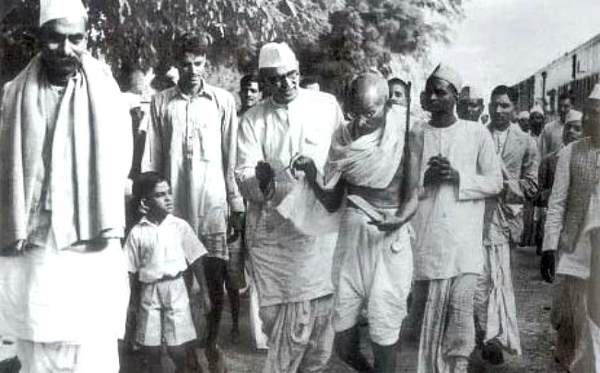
(371, 160)
(96, 123)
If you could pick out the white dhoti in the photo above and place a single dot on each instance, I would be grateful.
(495, 308)
(300, 335)
(448, 332)
(375, 274)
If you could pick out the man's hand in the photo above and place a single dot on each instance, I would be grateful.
(548, 266)
(306, 165)
(440, 171)
(264, 174)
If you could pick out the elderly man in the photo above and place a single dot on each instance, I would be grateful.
(457, 178)
(551, 135)
(470, 104)
(291, 267)
(65, 143)
(495, 300)
(192, 141)
(369, 163)
(577, 176)
(398, 92)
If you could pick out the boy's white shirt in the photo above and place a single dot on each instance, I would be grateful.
(165, 249)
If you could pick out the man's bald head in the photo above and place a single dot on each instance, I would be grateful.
(368, 97)
(369, 88)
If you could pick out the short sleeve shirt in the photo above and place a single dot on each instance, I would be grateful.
(155, 251)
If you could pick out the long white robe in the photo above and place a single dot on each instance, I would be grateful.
(449, 220)
(288, 265)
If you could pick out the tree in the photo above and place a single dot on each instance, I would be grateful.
(331, 37)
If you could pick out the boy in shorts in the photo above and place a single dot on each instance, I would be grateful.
(159, 249)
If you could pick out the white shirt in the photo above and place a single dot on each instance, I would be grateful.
(449, 219)
(155, 251)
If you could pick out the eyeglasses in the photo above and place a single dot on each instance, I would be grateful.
(352, 115)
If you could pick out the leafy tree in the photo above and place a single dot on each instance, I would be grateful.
(332, 38)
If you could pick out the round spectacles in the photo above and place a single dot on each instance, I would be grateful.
(352, 115)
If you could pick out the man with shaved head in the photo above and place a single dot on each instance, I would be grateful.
(373, 258)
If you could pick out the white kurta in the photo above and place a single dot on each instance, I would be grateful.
(192, 141)
(64, 288)
(288, 265)
(449, 220)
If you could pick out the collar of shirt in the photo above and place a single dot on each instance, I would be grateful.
(205, 91)
(144, 220)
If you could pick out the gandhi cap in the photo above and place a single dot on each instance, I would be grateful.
(470, 92)
(277, 56)
(448, 74)
(523, 115)
(55, 9)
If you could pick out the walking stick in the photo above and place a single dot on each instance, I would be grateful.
(406, 153)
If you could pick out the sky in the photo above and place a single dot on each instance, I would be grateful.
(506, 41)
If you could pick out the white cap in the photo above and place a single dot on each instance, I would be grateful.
(537, 108)
(277, 56)
(55, 9)
(448, 74)
(523, 115)
(573, 116)
(470, 92)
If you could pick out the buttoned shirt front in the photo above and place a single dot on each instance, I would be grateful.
(158, 250)
(192, 141)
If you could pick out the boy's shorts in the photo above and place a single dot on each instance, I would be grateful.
(164, 314)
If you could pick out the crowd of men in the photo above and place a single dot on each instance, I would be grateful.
(342, 216)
